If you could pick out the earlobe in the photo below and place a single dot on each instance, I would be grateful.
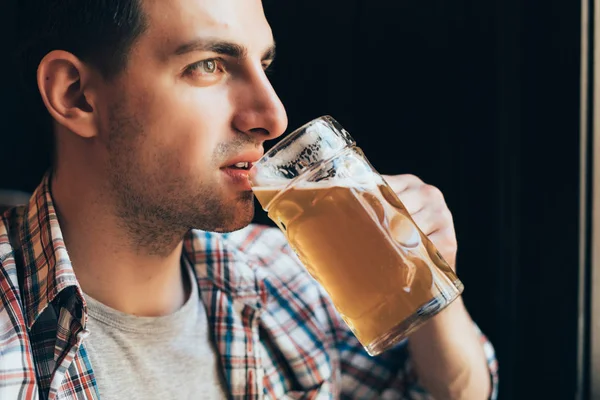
(62, 81)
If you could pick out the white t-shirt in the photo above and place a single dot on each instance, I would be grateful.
(145, 358)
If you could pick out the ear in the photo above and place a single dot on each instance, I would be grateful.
(65, 84)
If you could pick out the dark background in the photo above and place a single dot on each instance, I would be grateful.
(478, 98)
(482, 100)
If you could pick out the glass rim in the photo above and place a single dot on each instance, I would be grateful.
(294, 134)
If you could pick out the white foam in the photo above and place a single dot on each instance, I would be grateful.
(345, 183)
(318, 142)
(319, 138)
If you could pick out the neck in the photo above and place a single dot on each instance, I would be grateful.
(112, 266)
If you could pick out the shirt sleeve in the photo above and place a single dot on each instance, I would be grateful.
(390, 376)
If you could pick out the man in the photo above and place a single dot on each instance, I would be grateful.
(109, 290)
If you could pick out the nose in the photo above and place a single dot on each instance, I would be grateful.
(260, 112)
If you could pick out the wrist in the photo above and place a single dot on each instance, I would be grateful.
(452, 318)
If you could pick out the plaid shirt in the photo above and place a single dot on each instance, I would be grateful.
(275, 330)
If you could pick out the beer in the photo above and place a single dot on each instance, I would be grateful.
(382, 273)
(353, 234)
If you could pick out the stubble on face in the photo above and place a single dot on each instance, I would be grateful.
(155, 200)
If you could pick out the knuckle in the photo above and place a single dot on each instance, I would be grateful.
(448, 247)
(447, 214)
(432, 192)
(410, 178)
(452, 242)
(451, 238)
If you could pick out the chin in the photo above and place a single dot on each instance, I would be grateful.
(239, 219)
(232, 227)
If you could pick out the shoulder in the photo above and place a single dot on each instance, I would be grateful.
(15, 367)
(10, 225)
(10, 221)
(5, 245)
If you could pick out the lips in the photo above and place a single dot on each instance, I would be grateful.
(245, 160)
(237, 169)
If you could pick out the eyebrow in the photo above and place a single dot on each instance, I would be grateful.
(225, 48)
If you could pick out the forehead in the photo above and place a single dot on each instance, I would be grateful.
(175, 21)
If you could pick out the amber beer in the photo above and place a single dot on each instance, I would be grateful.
(357, 240)
(337, 233)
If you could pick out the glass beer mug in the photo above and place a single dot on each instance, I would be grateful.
(353, 234)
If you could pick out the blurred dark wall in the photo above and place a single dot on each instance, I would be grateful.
(24, 139)
(478, 98)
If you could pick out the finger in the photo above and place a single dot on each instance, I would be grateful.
(426, 221)
(413, 200)
(432, 220)
(400, 183)
(444, 240)
(445, 243)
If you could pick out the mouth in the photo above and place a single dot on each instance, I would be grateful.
(244, 165)
(238, 169)
(238, 176)
(244, 161)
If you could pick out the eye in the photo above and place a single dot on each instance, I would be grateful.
(205, 67)
(267, 67)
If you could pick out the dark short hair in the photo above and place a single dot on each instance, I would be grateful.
(98, 32)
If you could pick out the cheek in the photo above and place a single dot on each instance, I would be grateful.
(185, 127)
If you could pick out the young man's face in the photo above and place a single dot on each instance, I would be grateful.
(192, 101)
